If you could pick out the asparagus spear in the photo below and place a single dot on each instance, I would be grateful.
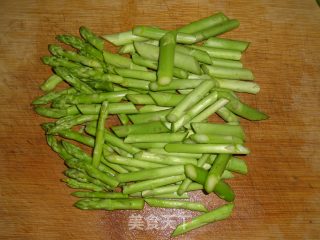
(152, 127)
(217, 214)
(110, 204)
(51, 83)
(97, 194)
(227, 44)
(152, 202)
(89, 36)
(166, 58)
(98, 144)
(123, 38)
(156, 137)
(207, 148)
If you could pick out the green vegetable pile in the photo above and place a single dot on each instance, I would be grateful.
(163, 95)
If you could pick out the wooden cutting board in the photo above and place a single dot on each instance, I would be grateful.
(279, 199)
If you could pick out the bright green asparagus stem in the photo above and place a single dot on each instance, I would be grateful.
(73, 135)
(217, 214)
(110, 204)
(128, 48)
(152, 109)
(101, 85)
(120, 61)
(149, 145)
(195, 96)
(204, 23)
(177, 84)
(218, 128)
(113, 108)
(166, 58)
(51, 112)
(226, 44)
(217, 30)
(238, 86)
(194, 206)
(237, 165)
(138, 74)
(200, 55)
(171, 189)
(151, 184)
(94, 98)
(133, 162)
(59, 62)
(227, 115)
(226, 72)
(177, 72)
(73, 122)
(173, 195)
(156, 137)
(215, 173)
(215, 138)
(149, 117)
(207, 148)
(73, 81)
(164, 152)
(97, 151)
(157, 34)
(164, 159)
(73, 56)
(185, 62)
(44, 99)
(73, 41)
(140, 99)
(115, 141)
(82, 185)
(94, 40)
(151, 173)
(219, 54)
(226, 63)
(51, 83)
(241, 109)
(210, 110)
(194, 111)
(152, 127)
(123, 118)
(123, 38)
(166, 99)
(111, 195)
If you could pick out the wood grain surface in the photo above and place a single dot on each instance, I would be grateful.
(279, 199)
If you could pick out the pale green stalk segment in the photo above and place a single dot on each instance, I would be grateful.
(113, 108)
(123, 38)
(194, 206)
(227, 115)
(120, 61)
(227, 44)
(238, 86)
(207, 148)
(132, 162)
(156, 137)
(110, 204)
(215, 138)
(203, 23)
(149, 116)
(219, 128)
(94, 40)
(218, 53)
(166, 58)
(50, 83)
(217, 214)
(110, 195)
(137, 74)
(226, 72)
(195, 96)
(97, 150)
(140, 99)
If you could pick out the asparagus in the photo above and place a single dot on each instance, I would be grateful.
(182, 61)
(138, 74)
(226, 44)
(51, 83)
(194, 206)
(152, 127)
(217, 214)
(166, 99)
(140, 99)
(123, 38)
(164, 152)
(192, 98)
(200, 55)
(157, 34)
(58, 62)
(111, 195)
(173, 195)
(156, 137)
(227, 115)
(217, 30)
(97, 150)
(148, 145)
(226, 72)
(94, 98)
(151, 173)
(48, 97)
(218, 128)
(241, 109)
(72, 183)
(151, 184)
(215, 173)
(238, 86)
(203, 23)
(133, 162)
(194, 111)
(152, 109)
(166, 58)
(164, 159)
(218, 53)
(215, 138)
(110, 204)
(113, 108)
(89, 36)
(170, 189)
(207, 148)
(237, 165)
(128, 48)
